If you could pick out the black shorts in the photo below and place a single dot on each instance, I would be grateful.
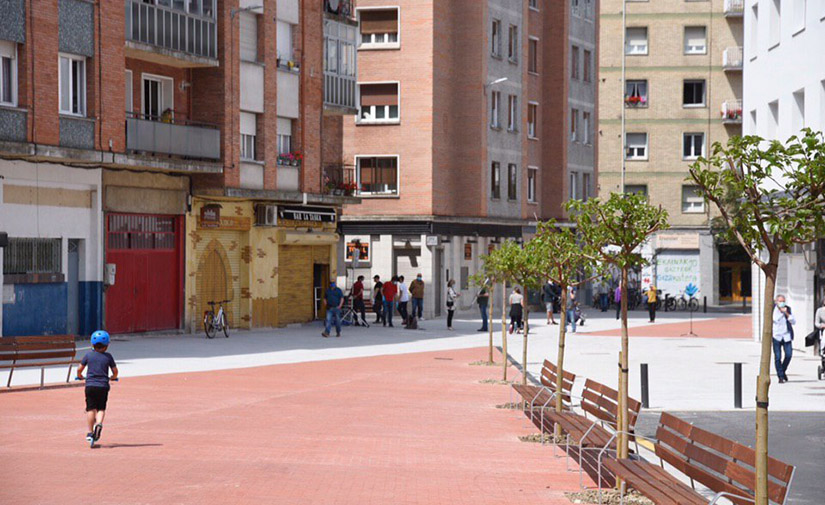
(96, 398)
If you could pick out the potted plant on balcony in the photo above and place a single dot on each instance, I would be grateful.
(634, 100)
(296, 159)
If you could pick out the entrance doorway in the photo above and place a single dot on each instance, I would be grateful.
(438, 280)
(734, 274)
(72, 288)
(320, 281)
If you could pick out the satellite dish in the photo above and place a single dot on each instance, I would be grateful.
(333, 5)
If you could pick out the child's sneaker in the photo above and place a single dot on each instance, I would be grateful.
(98, 431)
(90, 437)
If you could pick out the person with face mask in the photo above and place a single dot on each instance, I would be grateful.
(334, 299)
(783, 322)
(417, 294)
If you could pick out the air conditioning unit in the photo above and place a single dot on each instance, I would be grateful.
(266, 215)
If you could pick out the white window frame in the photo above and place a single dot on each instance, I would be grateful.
(284, 140)
(60, 77)
(635, 147)
(386, 119)
(646, 95)
(693, 155)
(533, 40)
(383, 44)
(695, 50)
(533, 5)
(495, 110)
(163, 81)
(513, 43)
(638, 49)
(532, 183)
(574, 124)
(495, 180)
(358, 191)
(704, 102)
(692, 204)
(573, 186)
(585, 127)
(587, 178)
(495, 39)
(512, 184)
(532, 127)
(10, 54)
(248, 140)
(512, 113)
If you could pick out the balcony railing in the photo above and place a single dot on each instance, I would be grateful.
(340, 66)
(339, 180)
(732, 112)
(734, 8)
(732, 58)
(191, 140)
(173, 28)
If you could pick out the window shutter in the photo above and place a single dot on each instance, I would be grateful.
(379, 21)
(284, 40)
(379, 94)
(284, 125)
(249, 36)
(695, 38)
(248, 123)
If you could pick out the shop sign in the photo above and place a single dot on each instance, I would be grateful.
(307, 214)
(468, 251)
(678, 241)
(363, 251)
(210, 215)
(432, 240)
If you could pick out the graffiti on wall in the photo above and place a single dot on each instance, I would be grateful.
(674, 272)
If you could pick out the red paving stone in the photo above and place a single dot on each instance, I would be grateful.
(722, 327)
(407, 429)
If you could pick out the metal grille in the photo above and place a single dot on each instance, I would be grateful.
(33, 256)
(128, 231)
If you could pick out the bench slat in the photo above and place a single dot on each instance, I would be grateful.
(27, 356)
(655, 483)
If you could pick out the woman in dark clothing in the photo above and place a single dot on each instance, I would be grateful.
(378, 300)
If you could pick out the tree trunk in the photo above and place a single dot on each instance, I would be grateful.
(560, 358)
(524, 346)
(490, 319)
(763, 383)
(504, 326)
(622, 424)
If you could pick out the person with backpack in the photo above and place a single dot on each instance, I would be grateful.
(378, 300)
(548, 297)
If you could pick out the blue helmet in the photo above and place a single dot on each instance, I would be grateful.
(100, 337)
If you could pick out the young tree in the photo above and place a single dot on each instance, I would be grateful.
(614, 231)
(771, 196)
(560, 258)
(495, 268)
(486, 278)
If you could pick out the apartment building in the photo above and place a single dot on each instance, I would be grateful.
(682, 93)
(464, 135)
(156, 155)
(784, 38)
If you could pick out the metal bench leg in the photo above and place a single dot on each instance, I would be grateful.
(69, 374)
(11, 371)
(42, 376)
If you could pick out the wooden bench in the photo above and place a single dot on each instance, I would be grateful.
(722, 465)
(29, 352)
(542, 395)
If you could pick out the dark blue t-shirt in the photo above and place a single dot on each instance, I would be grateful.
(334, 296)
(97, 368)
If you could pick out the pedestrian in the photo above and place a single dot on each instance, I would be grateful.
(516, 310)
(452, 296)
(334, 299)
(819, 324)
(483, 304)
(604, 291)
(390, 292)
(783, 322)
(652, 302)
(417, 294)
(357, 294)
(572, 304)
(548, 296)
(403, 298)
(617, 297)
(378, 300)
(99, 362)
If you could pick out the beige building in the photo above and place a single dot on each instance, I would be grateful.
(682, 93)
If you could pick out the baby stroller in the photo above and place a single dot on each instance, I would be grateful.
(580, 317)
(349, 317)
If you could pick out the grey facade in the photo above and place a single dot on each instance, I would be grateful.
(582, 100)
(13, 124)
(13, 21)
(76, 28)
(78, 133)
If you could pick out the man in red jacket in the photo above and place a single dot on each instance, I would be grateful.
(390, 292)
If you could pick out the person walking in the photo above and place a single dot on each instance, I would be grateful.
(604, 292)
(617, 297)
(783, 322)
(378, 300)
(390, 292)
(572, 304)
(652, 302)
(403, 298)
(516, 310)
(452, 296)
(483, 304)
(417, 294)
(819, 324)
(357, 294)
(334, 298)
(548, 297)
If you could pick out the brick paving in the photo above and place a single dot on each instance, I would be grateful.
(404, 429)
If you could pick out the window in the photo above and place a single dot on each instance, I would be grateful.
(532, 175)
(495, 38)
(33, 256)
(636, 41)
(533, 55)
(587, 66)
(8, 73)
(512, 46)
(753, 46)
(379, 103)
(249, 127)
(249, 35)
(495, 105)
(798, 116)
(636, 146)
(692, 200)
(72, 84)
(574, 62)
(775, 33)
(534, 4)
(284, 135)
(512, 113)
(574, 190)
(128, 231)
(693, 94)
(574, 124)
(773, 120)
(158, 98)
(495, 180)
(696, 40)
(635, 189)
(379, 28)
(635, 94)
(532, 119)
(798, 15)
(585, 128)
(693, 145)
(586, 186)
(378, 175)
(753, 121)
(512, 181)
(284, 44)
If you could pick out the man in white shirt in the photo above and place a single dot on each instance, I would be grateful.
(783, 322)
(403, 298)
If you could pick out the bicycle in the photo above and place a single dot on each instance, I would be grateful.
(213, 323)
(681, 302)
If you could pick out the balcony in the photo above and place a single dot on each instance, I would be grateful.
(169, 33)
(732, 112)
(340, 66)
(734, 8)
(340, 8)
(732, 59)
(339, 180)
(172, 137)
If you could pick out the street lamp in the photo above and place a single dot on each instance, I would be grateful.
(623, 91)
(497, 81)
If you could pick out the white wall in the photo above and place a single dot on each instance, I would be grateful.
(288, 86)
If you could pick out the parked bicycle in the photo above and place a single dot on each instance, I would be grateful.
(681, 302)
(213, 322)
